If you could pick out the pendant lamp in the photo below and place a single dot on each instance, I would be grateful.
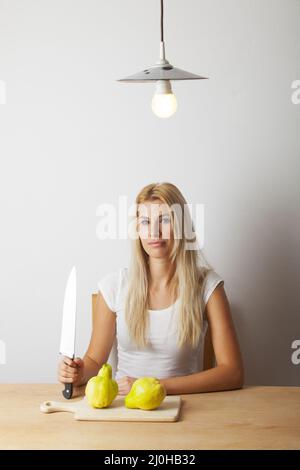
(164, 103)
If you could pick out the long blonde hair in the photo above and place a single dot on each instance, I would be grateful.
(189, 274)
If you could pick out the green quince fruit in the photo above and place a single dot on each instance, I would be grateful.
(102, 389)
(146, 393)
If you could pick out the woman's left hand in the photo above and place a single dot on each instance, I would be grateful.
(125, 384)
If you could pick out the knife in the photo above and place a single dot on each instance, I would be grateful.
(68, 330)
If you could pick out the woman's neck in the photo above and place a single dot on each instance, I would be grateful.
(161, 273)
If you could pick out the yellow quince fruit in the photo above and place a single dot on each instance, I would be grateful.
(146, 393)
(102, 389)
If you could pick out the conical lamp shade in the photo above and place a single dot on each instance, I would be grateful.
(161, 72)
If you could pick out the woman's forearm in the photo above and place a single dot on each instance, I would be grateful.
(219, 378)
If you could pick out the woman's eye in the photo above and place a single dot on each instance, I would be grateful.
(144, 222)
(166, 220)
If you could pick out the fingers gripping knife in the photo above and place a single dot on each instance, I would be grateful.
(67, 340)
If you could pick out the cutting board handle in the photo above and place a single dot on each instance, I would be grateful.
(53, 406)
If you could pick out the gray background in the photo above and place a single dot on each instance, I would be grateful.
(72, 138)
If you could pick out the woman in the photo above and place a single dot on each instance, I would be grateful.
(160, 308)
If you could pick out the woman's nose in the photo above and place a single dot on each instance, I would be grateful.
(155, 230)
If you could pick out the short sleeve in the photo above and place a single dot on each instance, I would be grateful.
(108, 286)
(211, 281)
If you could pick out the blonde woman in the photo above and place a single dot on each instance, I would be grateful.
(160, 308)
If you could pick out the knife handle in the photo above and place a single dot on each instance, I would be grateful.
(68, 391)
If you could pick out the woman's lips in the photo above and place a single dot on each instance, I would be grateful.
(156, 244)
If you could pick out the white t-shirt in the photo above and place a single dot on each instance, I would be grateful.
(162, 357)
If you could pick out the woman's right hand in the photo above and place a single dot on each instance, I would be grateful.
(70, 370)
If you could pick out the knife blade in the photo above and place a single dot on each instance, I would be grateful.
(68, 330)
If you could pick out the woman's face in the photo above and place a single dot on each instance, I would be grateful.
(155, 228)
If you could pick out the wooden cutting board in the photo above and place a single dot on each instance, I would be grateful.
(167, 411)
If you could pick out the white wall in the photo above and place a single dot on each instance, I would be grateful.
(72, 137)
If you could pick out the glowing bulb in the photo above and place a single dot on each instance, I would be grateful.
(164, 106)
(164, 103)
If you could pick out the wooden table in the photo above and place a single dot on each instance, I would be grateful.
(252, 418)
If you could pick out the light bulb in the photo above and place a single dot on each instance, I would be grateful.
(164, 106)
(164, 103)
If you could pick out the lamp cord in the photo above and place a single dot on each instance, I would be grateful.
(162, 20)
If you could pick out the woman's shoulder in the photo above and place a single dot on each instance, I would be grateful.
(111, 284)
(211, 276)
(211, 279)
